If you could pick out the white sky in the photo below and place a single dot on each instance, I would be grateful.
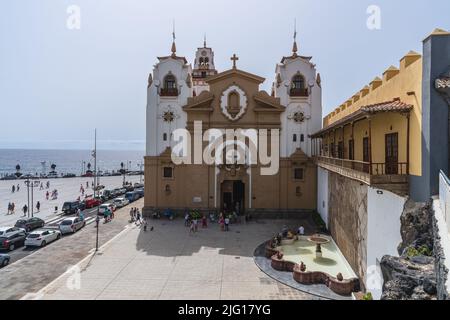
(57, 84)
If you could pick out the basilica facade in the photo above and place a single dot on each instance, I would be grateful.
(203, 101)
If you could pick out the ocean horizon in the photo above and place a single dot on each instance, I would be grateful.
(67, 161)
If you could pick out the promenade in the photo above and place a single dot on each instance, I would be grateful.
(68, 190)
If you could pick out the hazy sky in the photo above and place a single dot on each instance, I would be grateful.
(57, 84)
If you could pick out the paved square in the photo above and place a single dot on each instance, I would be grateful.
(171, 263)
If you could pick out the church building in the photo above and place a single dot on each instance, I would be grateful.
(182, 97)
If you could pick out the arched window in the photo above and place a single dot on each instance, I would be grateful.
(298, 86)
(298, 82)
(170, 86)
(201, 61)
(170, 82)
(233, 103)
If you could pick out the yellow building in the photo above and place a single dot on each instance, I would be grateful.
(375, 136)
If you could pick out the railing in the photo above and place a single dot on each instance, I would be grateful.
(444, 197)
(361, 166)
(168, 92)
(297, 92)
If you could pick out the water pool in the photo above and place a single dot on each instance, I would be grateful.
(332, 261)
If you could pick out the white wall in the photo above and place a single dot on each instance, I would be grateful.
(322, 194)
(384, 209)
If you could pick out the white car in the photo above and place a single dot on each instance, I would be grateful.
(9, 231)
(120, 202)
(71, 225)
(40, 238)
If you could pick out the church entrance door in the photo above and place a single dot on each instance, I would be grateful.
(233, 196)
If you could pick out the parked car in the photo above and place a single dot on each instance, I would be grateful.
(140, 192)
(7, 231)
(30, 224)
(123, 190)
(4, 260)
(120, 202)
(71, 225)
(92, 202)
(139, 185)
(103, 207)
(131, 196)
(71, 207)
(107, 194)
(40, 238)
(12, 241)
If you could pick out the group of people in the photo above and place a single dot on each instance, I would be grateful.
(135, 216)
(47, 185)
(14, 188)
(191, 220)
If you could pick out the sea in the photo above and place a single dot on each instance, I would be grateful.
(38, 162)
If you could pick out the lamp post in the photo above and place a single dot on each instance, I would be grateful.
(97, 220)
(31, 184)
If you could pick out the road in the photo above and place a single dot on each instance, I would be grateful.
(31, 270)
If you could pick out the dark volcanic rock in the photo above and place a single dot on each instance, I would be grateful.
(416, 226)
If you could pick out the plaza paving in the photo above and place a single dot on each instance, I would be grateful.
(170, 263)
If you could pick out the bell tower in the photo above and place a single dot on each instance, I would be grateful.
(203, 68)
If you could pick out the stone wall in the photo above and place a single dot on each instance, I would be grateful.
(439, 265)
(347, 221)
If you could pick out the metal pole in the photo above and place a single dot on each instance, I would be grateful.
(32, 200)
(95, 188)
(28, 197)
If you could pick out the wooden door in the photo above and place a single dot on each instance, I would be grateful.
(391, 152)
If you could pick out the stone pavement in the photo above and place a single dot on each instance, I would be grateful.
(170, 263)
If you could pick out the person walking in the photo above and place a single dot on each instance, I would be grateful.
(13, 208)
(9, 208)
(145, 225)
(204, 222)
(18, 187)
(13, 189)
(25, 210)
(227, 223)
(47, 195)
(131, 215)
(38, 206)
(138, 217)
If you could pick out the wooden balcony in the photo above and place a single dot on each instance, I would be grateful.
(168, 92)
(391, 177)
(297, 92)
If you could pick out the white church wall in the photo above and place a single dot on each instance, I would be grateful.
(157, 105)
(322, 194)
(384, 209)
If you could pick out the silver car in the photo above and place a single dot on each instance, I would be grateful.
(71, 225)
(4, 260)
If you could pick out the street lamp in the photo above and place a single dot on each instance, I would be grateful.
(31, 184)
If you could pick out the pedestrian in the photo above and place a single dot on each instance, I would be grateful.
(25, 209)
(222, 222)
(18, 188)
(192, 227)
(13, 189)
(38, 206)
(195, 221)
(131, 215)
(48, 184)
(87, 185)
(41, 187)
(56, 209)
(186, 219)
(13, 208)
(138, 217)
(204, 222)
(81, 188)
(9, 208)
(145, 225)
(227, 223)
(47, 195)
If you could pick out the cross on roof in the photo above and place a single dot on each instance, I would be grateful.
(234, 58)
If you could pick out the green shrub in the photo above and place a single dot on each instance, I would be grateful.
(368, 296)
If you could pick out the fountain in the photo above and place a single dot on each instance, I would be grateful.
(318, 240)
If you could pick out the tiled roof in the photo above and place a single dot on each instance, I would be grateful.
(395, 105)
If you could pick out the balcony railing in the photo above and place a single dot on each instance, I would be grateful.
(168, 92)
(298, 92)
(378, 169)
